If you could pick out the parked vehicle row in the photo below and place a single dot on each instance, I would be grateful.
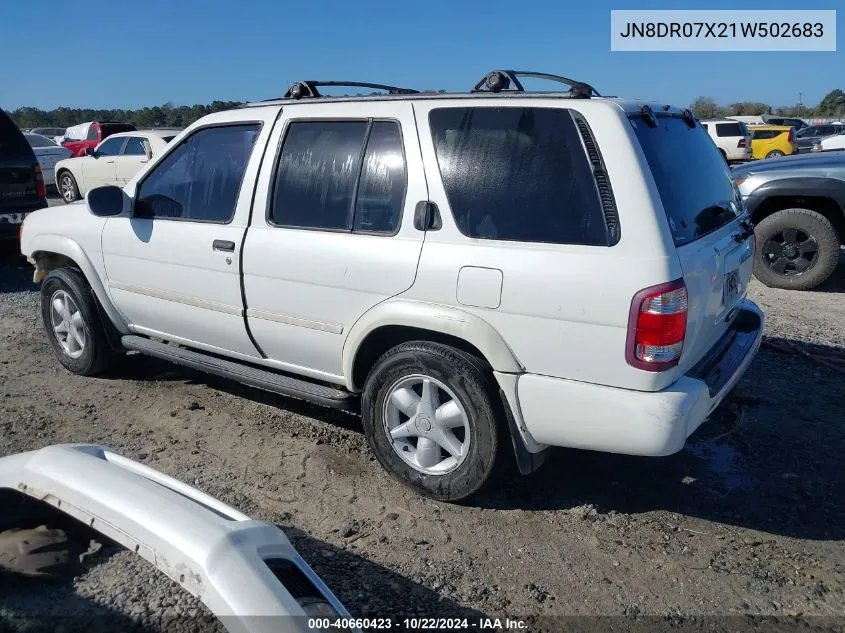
(48, 154)
(419, 257)
(112, 162)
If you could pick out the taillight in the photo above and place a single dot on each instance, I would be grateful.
(741, 143)
(791, 135)
(657, 326)
(40, 187)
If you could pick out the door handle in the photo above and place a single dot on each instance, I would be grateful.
(223, 245)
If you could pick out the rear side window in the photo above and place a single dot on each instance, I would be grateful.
(764, 134)
(340, 175)
(692, 178)
(200, 179)
(518, 174)
(134, 146)
(728, 129)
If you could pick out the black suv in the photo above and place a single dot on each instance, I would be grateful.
(22, 187)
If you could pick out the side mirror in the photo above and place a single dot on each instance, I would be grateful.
(108, 202)
(90, 151)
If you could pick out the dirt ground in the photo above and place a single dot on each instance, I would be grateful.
(749, 519)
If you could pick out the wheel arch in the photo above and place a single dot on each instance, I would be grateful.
(825, 196)
(49, 252)
(395, 322)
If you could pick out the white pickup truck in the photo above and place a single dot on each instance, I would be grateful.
(487, 273)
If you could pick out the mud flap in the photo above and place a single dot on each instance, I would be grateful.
(526, 462)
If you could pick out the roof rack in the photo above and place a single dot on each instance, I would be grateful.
(501, 80)
(308, 89)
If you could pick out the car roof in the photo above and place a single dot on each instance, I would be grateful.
(782, 128)
(630, 106)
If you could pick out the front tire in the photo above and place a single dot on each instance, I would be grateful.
(797, 249)
(71, 317)
(66, 184)
(431, 416)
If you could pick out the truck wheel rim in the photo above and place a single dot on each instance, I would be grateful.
(68, 324)
(426, 425)
(790, 252)
(67, 189)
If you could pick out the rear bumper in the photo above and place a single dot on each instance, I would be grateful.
(582, 415)
(12, 218)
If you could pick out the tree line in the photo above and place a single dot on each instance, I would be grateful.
(167, 115)
(832, 105)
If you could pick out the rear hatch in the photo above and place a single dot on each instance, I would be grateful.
(705, 216)
(18, 185)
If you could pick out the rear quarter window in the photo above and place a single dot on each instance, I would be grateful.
(518, 174)
(728, 129)
(692, 178)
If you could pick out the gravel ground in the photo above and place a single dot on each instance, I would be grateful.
(748, 520)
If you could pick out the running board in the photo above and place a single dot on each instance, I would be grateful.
(243, 373)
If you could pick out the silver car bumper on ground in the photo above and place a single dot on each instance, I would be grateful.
(236, 566)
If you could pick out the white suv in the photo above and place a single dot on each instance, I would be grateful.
(486, 273)
(731, 137)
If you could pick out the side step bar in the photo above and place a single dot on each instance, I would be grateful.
(243, 373)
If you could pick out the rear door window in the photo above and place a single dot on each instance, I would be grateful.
(518, 174)
(728, 129)
(692, 178)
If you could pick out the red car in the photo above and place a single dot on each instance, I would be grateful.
(80, 138)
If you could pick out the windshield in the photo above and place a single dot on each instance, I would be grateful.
(692, 177)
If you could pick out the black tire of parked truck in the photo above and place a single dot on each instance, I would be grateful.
(71, 316)
(40, 552)
(464, 406)
(797, 249)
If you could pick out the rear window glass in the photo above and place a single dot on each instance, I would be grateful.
(728, 129)
(518, 174)
(692, 178)
(12, 141)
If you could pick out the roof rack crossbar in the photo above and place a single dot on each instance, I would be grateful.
(501, 80)
(302, 89)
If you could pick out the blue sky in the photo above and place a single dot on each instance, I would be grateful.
(98, 53)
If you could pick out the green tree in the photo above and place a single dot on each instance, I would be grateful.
(833, 103)
(706, 108)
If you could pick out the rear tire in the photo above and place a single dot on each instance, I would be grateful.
(775, 153)
(71, 316)
(780, 235)
(39, 553)
(69, 190)
(451, 443)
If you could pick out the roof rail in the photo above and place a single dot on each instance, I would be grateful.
(302, 89)
(501, 80)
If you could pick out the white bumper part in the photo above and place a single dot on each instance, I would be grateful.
(213, 551)
(583, 415)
